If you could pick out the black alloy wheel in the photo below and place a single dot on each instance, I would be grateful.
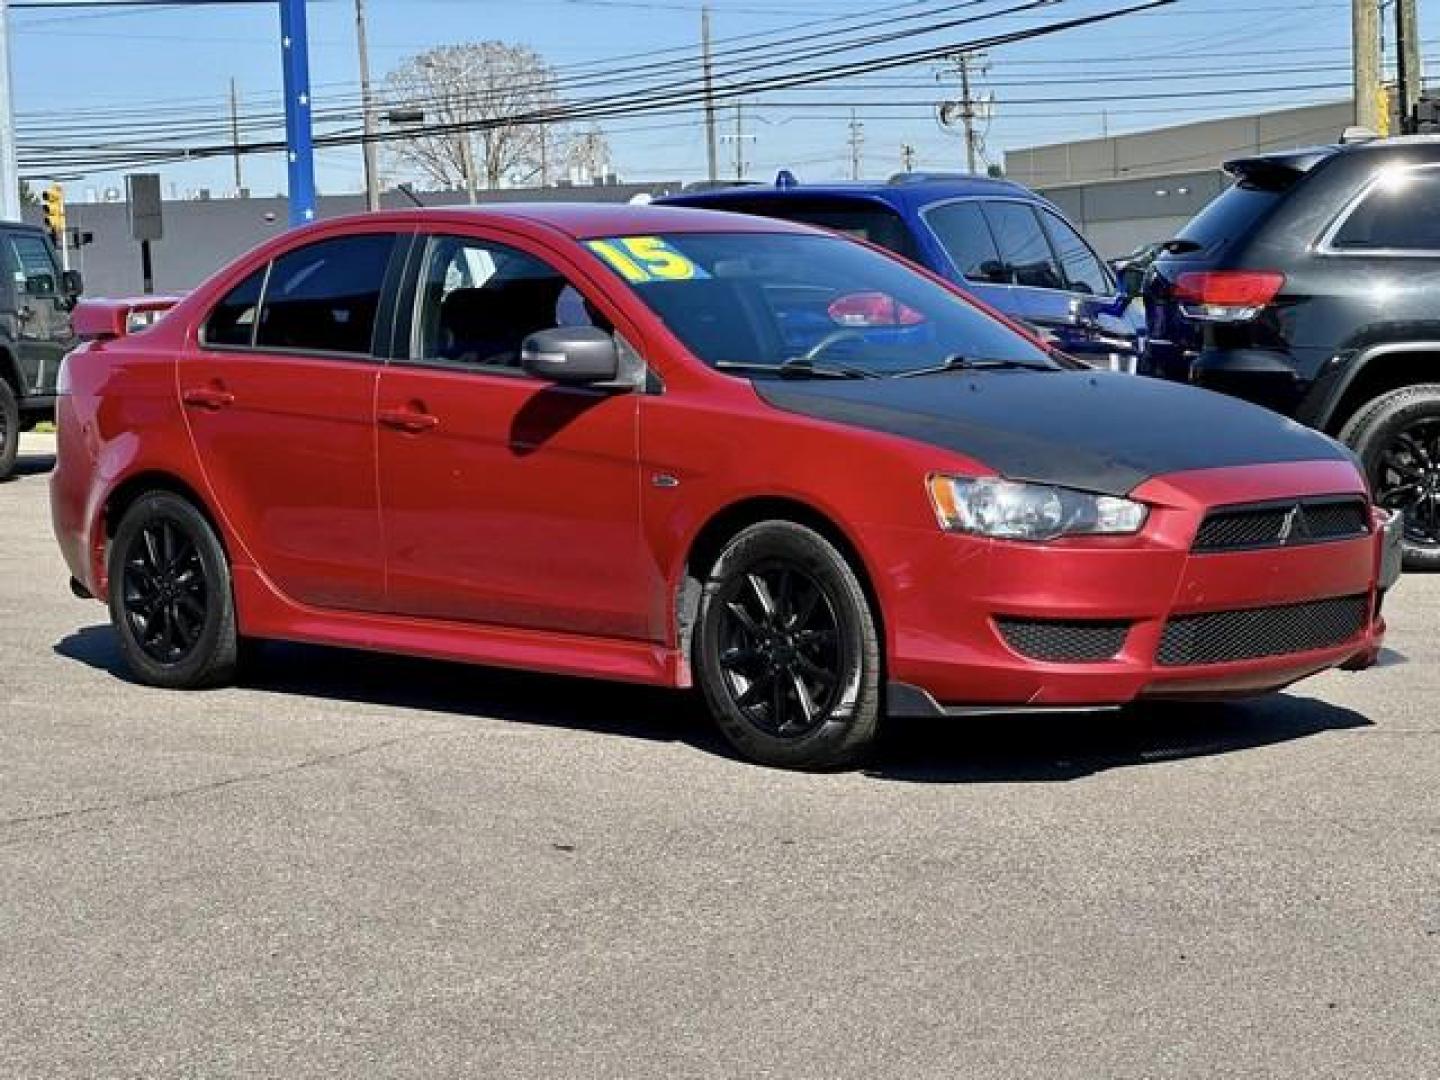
(1397, 438)
(780, 648)
(170, 595)
(787, 651)
(1408, 480)
(164, 591)
(9, 429)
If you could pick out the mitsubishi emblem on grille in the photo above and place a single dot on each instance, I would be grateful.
(1287, 525)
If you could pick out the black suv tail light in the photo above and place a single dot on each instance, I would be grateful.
(1226, 295)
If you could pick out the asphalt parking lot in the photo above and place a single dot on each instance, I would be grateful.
(370, 866)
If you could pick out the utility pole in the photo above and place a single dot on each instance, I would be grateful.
(235, 135)
(9, 167)
(739, 140)
(1409, 77)
(367, 113)
(857, 139)
(967, 112)
(1365, 54)
(907, 157)
(707, 66)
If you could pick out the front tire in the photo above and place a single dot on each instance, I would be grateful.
(9, 430)
(1397, 438)
(170, 597)
(787, 652)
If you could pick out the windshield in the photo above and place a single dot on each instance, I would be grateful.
(756, 301)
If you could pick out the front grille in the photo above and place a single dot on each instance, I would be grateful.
(1224, 636)
(1064, 642)
(1282, 524)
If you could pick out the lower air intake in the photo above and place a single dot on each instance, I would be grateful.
(1226, 636)
(1075, 642)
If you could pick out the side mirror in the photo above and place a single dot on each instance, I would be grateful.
(1132, 280)
(40, 285)
(71, 284)
(574, 355)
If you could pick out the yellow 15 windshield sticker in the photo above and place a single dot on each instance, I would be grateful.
(639, 259)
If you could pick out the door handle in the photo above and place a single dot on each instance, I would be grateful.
(209, 397)
(411, 420)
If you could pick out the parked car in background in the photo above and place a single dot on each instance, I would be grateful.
(35, 302)
(1312, 286)
(1130, 269)
(687, 448)
(1000, 241)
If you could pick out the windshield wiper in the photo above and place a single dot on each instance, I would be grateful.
(798, 369)
(961, 362)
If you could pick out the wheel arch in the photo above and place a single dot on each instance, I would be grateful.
(134, 487)
(1375, 372)
(728, 522)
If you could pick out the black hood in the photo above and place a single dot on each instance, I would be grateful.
(1096, 431)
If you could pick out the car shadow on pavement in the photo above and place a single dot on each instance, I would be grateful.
(457, 689)
(995, 749)
(1059, 746)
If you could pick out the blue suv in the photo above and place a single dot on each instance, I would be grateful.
(1002, 242)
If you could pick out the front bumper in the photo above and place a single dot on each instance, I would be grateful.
(948, 654)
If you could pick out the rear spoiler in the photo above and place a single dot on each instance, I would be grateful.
(1277, 172)
(100, 320)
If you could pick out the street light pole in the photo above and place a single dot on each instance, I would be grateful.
(299, 140)
(9, 167)
(367, 110)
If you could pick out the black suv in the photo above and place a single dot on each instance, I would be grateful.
(35, 303)
(1312, 286)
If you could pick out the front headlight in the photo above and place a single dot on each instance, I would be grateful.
(1011, 511)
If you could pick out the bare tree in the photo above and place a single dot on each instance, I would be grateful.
(489, 83)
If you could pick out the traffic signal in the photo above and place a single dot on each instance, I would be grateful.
(52, 200)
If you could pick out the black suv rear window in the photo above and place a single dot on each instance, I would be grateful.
(1235, 212)
(870, 221)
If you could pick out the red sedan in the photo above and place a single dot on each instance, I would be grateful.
(679, 447)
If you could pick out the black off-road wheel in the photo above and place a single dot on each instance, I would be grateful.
(9, 429)
(786, 650)
(170, 597)
(1397, 438)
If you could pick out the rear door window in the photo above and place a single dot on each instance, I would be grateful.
(1084, 272)
(1023, 246)
(232, 320)
(1400, 213)
(325, 297)
(965, 235)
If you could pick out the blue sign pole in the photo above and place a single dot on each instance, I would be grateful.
(299, 145)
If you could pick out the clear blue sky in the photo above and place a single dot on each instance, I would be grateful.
(176, 64)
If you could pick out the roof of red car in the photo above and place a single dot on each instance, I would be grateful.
(584, 221)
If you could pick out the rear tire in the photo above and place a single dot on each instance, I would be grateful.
(9, 429)
(170, 596)
(786, 650)
(1397, 437)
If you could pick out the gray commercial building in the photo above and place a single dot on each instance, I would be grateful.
(1127, 190)
(202, 235)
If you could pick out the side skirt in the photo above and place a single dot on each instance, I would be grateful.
(264, 613)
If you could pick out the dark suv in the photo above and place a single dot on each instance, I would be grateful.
(36, 298)
(1000, 241)
(1312, 286)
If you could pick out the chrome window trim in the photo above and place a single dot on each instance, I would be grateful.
(1326, 243)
